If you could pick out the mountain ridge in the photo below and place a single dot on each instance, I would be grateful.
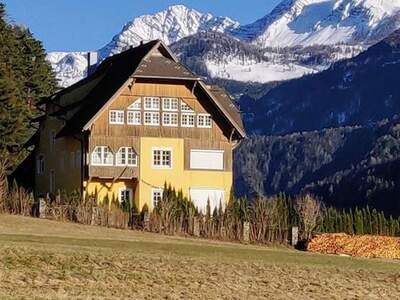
(271, 32)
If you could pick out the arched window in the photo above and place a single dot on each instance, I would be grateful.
(102, 156)
(126, 156)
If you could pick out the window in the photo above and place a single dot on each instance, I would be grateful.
(170, 104)
(134, 117)
(78, 159)
(170, 119)
(152, 118)
(137, 105)
(52, 141)
(185, 107)
(40, 164)
(102, 156)
(52, 182)
(125, 198)
(187, 119)
(151, 103)
(156, 196)
(116, 117)
(162, 158)
(207, 159)
(204, 120)
(126, 156)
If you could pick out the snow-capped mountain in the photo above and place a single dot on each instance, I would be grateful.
(324, 22)
(346, 27)
(170, 25)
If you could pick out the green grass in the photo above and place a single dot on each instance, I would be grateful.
(45, 259)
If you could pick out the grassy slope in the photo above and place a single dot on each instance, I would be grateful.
(57, 260)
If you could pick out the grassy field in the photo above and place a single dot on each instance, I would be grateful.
(45, 259)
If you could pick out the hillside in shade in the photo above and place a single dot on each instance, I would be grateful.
(357, 91)
(344, 167)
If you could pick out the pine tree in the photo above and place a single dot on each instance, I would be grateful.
(25, 77)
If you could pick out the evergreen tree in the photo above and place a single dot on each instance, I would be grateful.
(25, 77)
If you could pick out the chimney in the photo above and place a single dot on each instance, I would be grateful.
(92, 62)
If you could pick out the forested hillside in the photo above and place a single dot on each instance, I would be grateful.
(25, 77)
(345, 166)
(358, 91)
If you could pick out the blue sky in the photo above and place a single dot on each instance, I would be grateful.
(89, 24)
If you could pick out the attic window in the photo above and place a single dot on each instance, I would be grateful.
(136, 105)
(116, 117)
(170, 104)
(151, 103)
(204, 121)
(185, 107)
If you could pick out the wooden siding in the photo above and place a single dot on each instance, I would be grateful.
(114, 135)
(114, 142)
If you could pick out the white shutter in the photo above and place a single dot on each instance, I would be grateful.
(207, 159)
(200, 196)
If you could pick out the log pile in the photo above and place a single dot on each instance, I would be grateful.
(356, 245)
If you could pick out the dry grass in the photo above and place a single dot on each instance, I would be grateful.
(45, 259)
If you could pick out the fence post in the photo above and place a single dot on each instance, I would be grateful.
(295, 236)
(196, 227)
(42, 208)
(246, 232)
(146, 221)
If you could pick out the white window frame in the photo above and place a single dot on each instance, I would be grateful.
(126, 149)
(167, 104)
(184, 109)
(200, 116)
(118, 115)
(102, 156)
(207, 151)
(40, 164)
(135, 120)
(162, 150)
(152, 113)
(153, 106)
(130, 195)
(193, 115)
(157, 191)
(136, 105)
(170, 114)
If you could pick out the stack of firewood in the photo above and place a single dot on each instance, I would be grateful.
(356, 245)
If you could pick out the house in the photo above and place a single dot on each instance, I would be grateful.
(140, 120)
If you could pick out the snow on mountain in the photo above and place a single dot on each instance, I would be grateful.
(324, 22)
(292, 24)
(69, 67)
(169, 25)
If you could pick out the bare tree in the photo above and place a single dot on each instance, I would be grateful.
(309, 210)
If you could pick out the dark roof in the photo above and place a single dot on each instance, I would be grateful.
(116, 71)
(91, 94)
(227, 103)
(33, 140)
(163, 67)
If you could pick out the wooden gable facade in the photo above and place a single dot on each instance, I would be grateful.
(79, 120)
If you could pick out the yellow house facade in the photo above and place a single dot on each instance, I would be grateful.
(139, 121)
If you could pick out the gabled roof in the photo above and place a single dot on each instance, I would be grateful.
(117, 71)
